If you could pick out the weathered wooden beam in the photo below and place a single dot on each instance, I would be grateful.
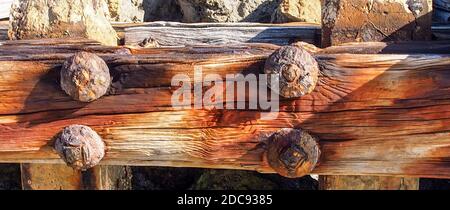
(441, 32)
(184, 34)
(368, 21)
(381, 114)
(62, 177)
(399, 47)
(367, 183)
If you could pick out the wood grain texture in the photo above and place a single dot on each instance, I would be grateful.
(383, 114)
(368, 21)
(367, 183)
(62, 177)
(50, 177)
(185, 34)
(400, 47)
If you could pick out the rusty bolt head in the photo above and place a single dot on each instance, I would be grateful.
(85, 77)
(296, 69)
(291, 72)
(80, 147)
(293, 152)
(149, 43)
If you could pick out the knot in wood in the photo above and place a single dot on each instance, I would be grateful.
(80, 147)
(85, 77)
(293, 152)
(296, 69)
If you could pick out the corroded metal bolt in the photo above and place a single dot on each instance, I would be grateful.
(80, 147)
(293, 152)
(149, 43)
(296, 69)
(85, 77)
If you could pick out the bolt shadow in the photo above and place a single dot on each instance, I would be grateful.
(396, 102)
(47, 102)
(348, 120)
(290, 34)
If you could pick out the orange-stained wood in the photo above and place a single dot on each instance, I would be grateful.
(50, 177)
(374, 114)
(63, 177)
(367, 183)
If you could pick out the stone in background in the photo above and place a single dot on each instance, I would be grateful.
(214, 179)
(227, 10)
(277, 11)
(162, 10)
(61, 18)
(441, 11)
(126, 10)
(298, 11)
(382, 20)
(190, 11)
(166, 178)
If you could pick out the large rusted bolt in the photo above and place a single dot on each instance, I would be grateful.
(85, 77)
(293, 152)
(296, 69)
(80, 147)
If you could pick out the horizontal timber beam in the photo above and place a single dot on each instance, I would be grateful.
(375, 114)
(186, 34)
(441, 32)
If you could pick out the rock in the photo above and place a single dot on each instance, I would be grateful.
(61, 18)
(126, 10)
(164, 178)
(441, 11)
(381, 20)
(250, 180)
(232, 180)
(232, 10)
(298, 11)
(162, 10)
(227, 10)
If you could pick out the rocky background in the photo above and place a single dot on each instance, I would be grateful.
(91, 19)
(276, 11)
